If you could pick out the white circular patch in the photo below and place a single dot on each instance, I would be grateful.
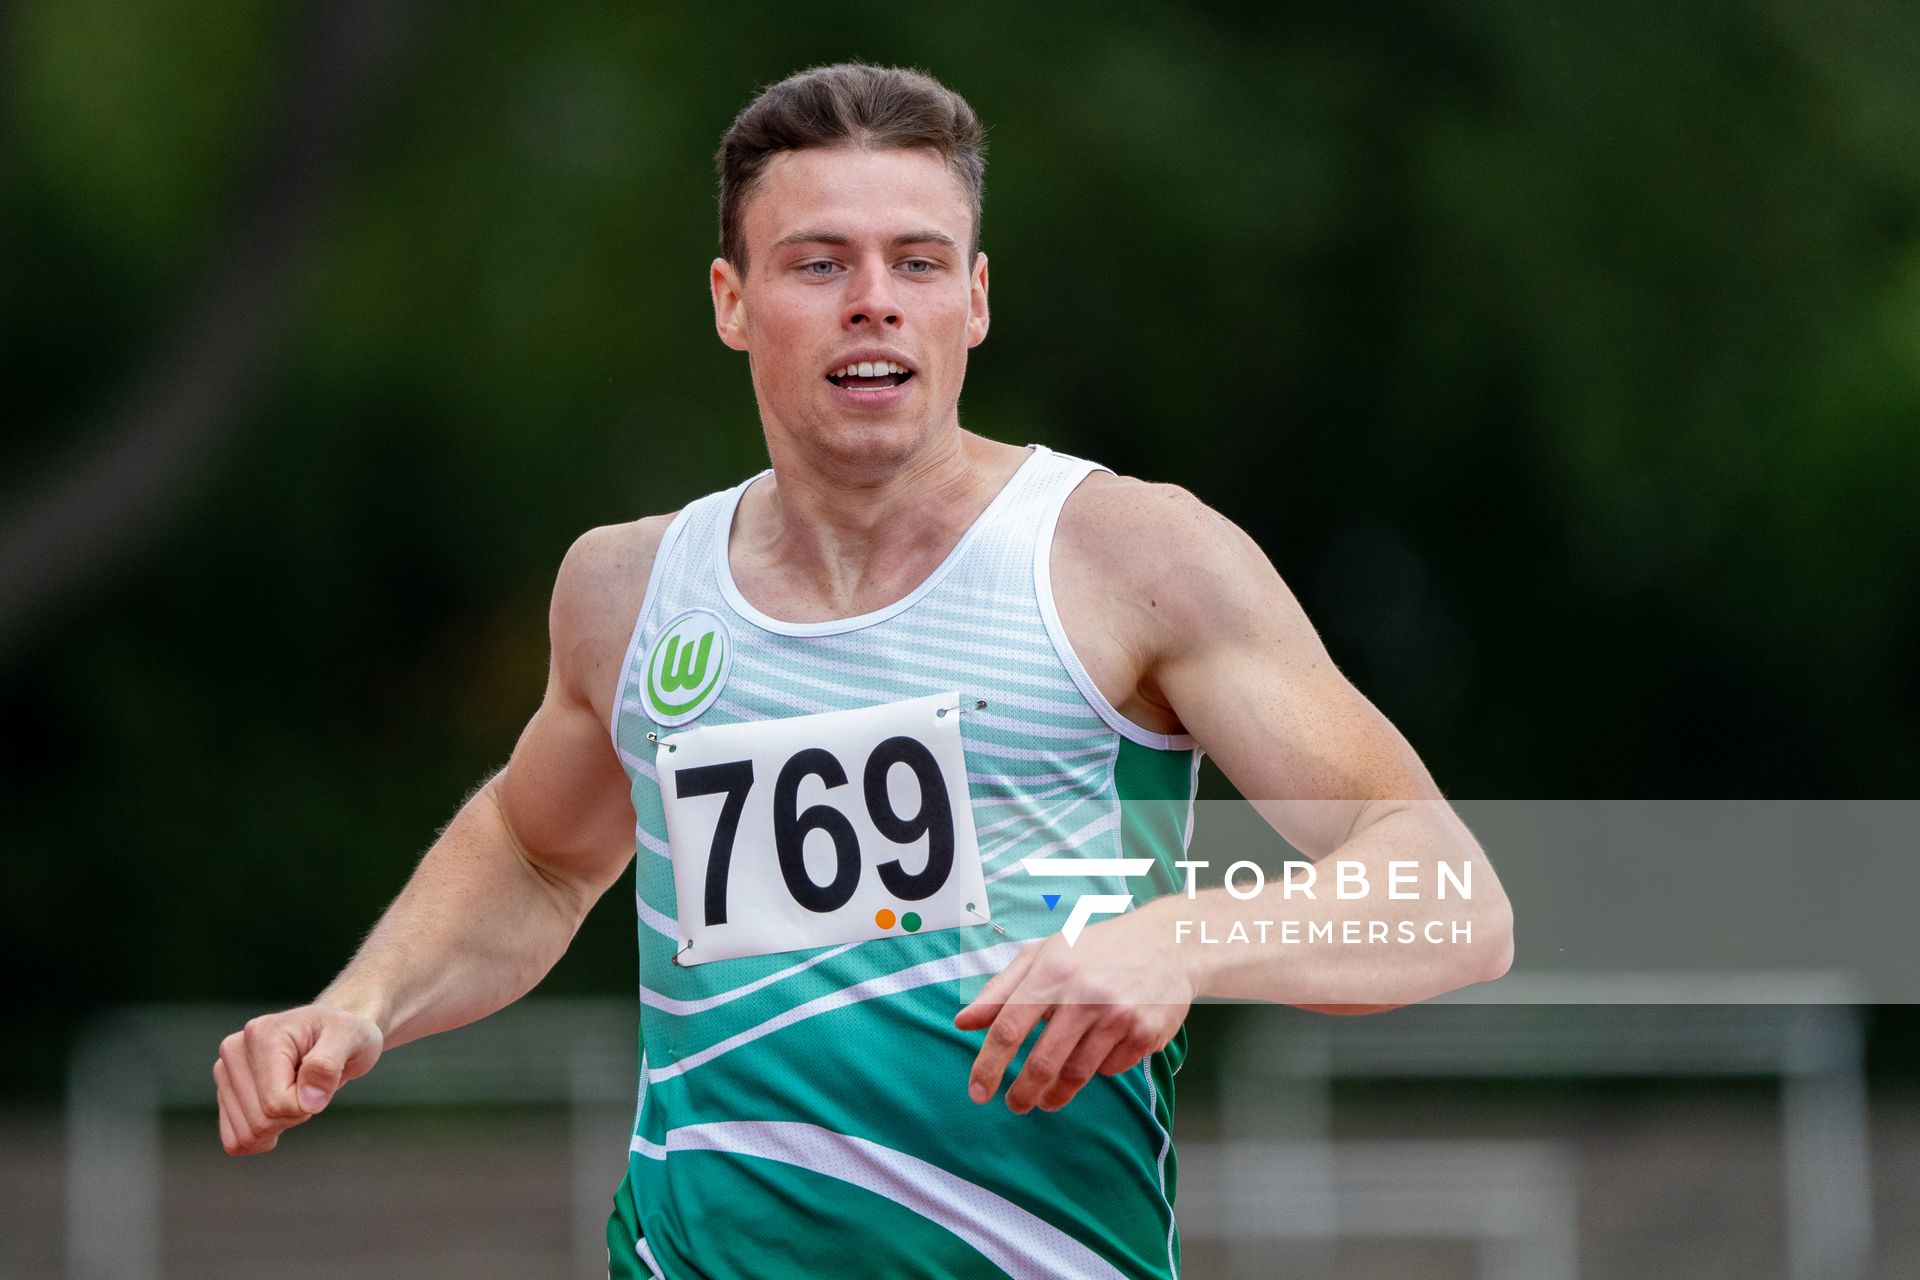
(687, 666)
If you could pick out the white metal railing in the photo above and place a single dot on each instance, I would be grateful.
(132, 1065)
(1278, 1178)
(1513, 1201)
(1796, 1028)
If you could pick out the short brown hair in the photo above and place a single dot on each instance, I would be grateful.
(848, 104)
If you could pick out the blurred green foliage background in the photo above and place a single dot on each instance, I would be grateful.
(1565, 358)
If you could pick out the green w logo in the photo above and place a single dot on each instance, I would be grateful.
(684, 668)
(687, 666)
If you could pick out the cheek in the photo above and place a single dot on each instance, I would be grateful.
(787, 369)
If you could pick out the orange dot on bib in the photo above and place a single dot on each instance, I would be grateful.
(883, 918)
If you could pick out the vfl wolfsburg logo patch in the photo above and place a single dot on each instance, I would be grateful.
(687, 666)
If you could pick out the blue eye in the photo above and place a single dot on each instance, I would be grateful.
(919, 266)
(809, 268)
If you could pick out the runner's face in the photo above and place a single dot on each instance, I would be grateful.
(856, 256)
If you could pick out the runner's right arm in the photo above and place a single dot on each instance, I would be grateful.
(494, 903)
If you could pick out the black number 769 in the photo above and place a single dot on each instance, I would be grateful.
(790, 828)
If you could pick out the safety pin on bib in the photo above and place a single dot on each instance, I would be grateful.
(996, 928)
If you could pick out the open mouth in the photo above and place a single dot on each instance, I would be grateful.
(870, 375)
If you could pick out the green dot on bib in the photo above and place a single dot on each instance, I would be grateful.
(910, 921)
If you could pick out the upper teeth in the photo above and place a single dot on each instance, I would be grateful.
(868, 369)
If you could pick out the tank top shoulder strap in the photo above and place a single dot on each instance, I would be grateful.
(1049, 496)
(1059, 475)
(680, 579)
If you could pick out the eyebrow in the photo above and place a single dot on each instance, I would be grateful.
(898, 242)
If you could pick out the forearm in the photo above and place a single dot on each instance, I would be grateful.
(1324, 951)
(476, 927)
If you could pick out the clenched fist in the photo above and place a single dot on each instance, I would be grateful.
(281, 1069)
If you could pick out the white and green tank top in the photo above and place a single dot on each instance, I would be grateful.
(805, 1112)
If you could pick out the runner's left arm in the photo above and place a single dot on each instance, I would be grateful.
(1233, 655)
(1227, 650)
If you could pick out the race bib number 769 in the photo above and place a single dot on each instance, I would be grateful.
(820, 829)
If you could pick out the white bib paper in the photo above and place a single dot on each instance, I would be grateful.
(816, 830)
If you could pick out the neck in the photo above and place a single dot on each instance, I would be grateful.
(851, 536)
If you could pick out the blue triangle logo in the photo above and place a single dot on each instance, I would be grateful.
(1052, 900)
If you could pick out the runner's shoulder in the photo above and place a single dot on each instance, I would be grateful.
(598, 591)
(1133, 535)
(610, 554)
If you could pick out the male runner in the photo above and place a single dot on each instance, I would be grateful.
(844, 707)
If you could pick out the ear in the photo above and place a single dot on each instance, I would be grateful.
(977, 302)
(729, 316)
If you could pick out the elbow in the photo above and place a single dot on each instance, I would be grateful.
(572, 898)
(1493, 951)
(1501, 961)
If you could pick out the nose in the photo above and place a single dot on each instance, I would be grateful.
(872, 302)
